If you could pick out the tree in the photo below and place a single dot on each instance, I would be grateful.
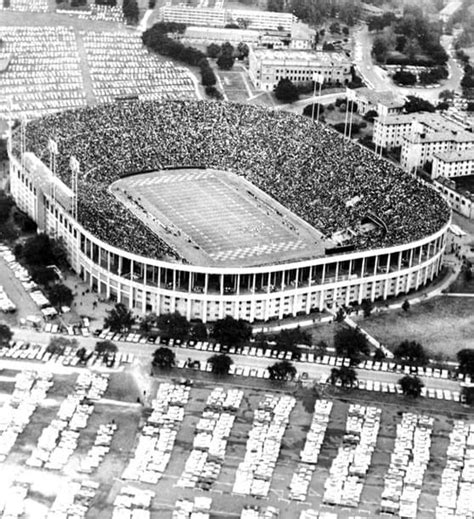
(208, 78)
(340, 315)
(371, 115)
(119, 318)
(379, 355)
(351, 343)
(243, 50)
(220, 364)
(6, 204)
(43, 275)
(312, 109)
(213, 50)
(403, 77)
(230, 331)
(5, 335)
(60, 295)
(286, 91)
(174, 325)
(411, 352)
(380, 49)
(130, 11)
(81, 353)
(57, 345)
(411, 386)
(148, 322)
(37, 250)
(199, 331)
(105, 348)
(164, 358)
(367, 307)
(466, 361)
(225, 61)
(446, 95)
(288, 339)
(347, 376)
(417, 104)
(283, 370)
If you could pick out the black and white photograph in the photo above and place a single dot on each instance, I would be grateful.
(236, 259)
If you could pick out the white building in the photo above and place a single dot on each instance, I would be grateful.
(294, 39)
(448, 11)
(219, 17)
(268, 66)
(385, 103)
(391, 130)
(453, 164)
(461, 200)
(419, 148)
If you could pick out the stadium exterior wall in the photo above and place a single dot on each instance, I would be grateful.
(209, 293)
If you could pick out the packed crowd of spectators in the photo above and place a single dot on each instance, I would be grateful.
(308, 168)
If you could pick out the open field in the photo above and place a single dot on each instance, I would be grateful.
(443, 325)
(130, 417)
(217, 217)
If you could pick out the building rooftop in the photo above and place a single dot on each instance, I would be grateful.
(372, 9)
(327, 58)
(453, 136)
(231, 34)
(456, 156)
(302, 31)
(385, 97)
(451, 8)
(431, 122)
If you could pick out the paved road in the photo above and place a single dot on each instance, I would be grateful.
(315, 371)
(378, 79)
(17, 293)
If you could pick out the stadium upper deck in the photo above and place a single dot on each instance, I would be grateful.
(390, 230)
(332, 184)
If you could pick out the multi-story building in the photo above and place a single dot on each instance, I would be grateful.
(385, 103)
(459, 198)
(220, 17)
(420, 135)
(297, 38)
(453, 164)
(268, 66)
(419, 148)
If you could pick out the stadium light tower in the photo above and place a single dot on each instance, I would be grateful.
(53, 151)
(23, 123)
(75, 167)
(9, 105)
(318, 78)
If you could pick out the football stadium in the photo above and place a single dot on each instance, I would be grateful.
(215, 209)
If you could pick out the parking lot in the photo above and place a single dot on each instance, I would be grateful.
(207, 440)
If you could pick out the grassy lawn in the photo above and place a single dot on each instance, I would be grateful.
(443, 325)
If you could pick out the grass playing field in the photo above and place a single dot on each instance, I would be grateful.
(443, 325)
(217, 218)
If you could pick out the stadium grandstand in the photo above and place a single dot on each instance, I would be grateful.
(217, 209)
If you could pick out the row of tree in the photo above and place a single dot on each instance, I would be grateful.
(165, 358)
(162, 39)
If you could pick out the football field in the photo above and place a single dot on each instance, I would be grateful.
(216, 217)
